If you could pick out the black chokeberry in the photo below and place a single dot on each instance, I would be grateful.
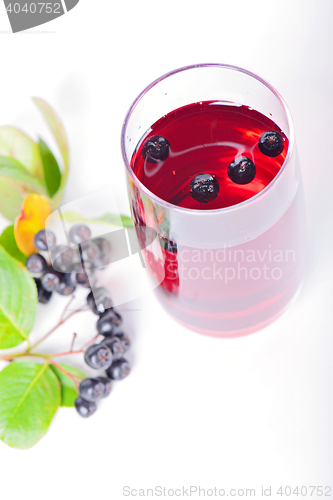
(98, 356)
(115, 345)
(90, 251)
(51, 280)
(105, 324)
(83, 279)
(107, 384)
(271, 143)
(242, 170)
(91, 389)
(45, 240)
(102, 299)
(156, 149)
(62, 257)
(36, 263)
(119, 369)
(92, 304)
(104, 246)
(204, 188)
(124, 339)
(43, 295)
(79, 233)
(108, 321)
(117, 318)
(168, 245)
(81, 276)
(85, 408)
(65, 288)
(69, 278)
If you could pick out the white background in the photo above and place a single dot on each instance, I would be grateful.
(195, 411)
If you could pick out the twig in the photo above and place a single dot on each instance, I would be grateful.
(60, 322)
(67, 306)
(73, 341)
(69, 375)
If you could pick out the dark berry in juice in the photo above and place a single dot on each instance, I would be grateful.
(210, 155)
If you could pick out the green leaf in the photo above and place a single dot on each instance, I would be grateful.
(68, 391)
(18, 301)
(109, 219)
(16, 144)
(29, 398)
(52, 174)
(15, 184)
(8, 242)
(59, 134)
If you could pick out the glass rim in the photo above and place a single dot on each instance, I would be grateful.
(237, 206)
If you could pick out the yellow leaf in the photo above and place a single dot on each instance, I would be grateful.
(34, 212)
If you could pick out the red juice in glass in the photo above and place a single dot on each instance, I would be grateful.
(211, 178)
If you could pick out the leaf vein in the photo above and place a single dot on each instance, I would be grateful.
(24, 397)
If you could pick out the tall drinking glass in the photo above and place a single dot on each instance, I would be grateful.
(230, 271)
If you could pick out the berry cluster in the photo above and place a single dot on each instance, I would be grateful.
(107, 355)
(70, 268)
(205, 187)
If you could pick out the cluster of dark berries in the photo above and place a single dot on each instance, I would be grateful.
(107, 355)
(205, 187)
(71, 265)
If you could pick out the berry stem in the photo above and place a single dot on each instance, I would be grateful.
(67, 353)
(10, 357)
(67, 306)
(69, 375)
(62, 320)
(72, 344)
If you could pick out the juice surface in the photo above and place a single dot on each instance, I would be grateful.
(206, 137)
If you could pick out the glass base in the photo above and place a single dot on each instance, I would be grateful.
(248, 331)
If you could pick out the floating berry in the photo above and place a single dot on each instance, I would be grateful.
(156, 149)
(124, 339)
(43, 295)
(242, 170)
(98, 356)
(119, 369)
(91, 389)
(85, 408)
(168, 245)
(107, 385)
(79, 233)
(115, 345)
(45, 240)
(51, 280)
(36, 263)
(204, 188)
(271, 143)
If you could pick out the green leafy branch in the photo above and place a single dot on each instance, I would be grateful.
(27, 166)
(30, 392)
